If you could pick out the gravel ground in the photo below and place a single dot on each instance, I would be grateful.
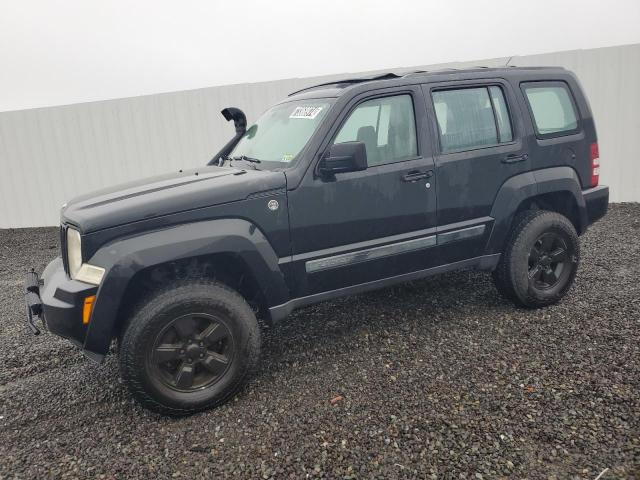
(440, 378)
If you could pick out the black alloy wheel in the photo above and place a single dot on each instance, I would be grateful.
(540, 259)
(189, 347)
(192, 352)
(548, 261)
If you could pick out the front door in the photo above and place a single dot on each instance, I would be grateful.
(363, 226)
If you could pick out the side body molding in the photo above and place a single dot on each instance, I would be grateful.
(521, 187)
(123, 258)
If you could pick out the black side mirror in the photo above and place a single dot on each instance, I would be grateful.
(343, 157)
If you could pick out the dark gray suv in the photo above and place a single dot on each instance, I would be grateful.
(338, 189)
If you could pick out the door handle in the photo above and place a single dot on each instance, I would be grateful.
(515, 158)
(415, 175)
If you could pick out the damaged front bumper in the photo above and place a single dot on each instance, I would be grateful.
(57, 302)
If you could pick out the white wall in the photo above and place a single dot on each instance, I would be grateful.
(49, 155)
(611, 79)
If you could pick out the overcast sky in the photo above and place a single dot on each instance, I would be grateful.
(55, 52)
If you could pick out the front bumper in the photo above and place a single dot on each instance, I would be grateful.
(596, 201)
(57, 301)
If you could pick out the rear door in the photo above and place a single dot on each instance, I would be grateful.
(477, 131)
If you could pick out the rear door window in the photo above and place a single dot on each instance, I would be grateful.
(471, 118)
(552, 107)
(502, 114)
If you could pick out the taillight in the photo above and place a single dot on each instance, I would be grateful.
(595, 164)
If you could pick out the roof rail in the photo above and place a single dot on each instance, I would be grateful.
(384, 76)
(420, 72)
(391, 75)
(415, 72)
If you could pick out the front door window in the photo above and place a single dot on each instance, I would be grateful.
(386, 126)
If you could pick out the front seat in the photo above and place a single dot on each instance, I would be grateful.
(368, 136)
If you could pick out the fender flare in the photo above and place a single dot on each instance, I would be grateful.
(521, 187)
(124, 257)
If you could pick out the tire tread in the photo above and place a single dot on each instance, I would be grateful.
(509, 268)
(151, 306)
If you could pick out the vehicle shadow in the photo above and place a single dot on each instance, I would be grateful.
(332, 328)
(413, 306)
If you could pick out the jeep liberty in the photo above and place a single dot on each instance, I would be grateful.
(339, 189)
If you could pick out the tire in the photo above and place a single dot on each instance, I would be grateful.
(540, 260)
(189, 348)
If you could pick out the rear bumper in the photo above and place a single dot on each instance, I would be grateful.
(596, 202)
(57, 301)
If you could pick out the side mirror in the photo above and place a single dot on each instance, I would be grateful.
(343, 157)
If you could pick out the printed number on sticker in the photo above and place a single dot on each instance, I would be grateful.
(306, 112)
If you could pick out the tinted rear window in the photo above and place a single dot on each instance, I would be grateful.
(470, 118)
(552, 107)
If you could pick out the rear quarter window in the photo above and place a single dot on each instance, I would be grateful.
(552, 108)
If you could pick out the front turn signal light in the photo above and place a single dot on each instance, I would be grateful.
(87, 308)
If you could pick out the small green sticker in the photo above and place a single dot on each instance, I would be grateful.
(287, 157)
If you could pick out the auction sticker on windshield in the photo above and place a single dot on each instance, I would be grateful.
(306, 112)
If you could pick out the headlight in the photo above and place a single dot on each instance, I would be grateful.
(78, 270)
(74, 251)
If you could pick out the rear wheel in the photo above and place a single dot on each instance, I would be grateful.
(540, 261)
(189, 348)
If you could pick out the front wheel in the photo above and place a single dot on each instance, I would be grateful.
(189, 348)
(540, 261)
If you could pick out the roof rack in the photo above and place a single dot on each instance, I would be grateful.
(415, 72)
(420, 72)
(384, 76)
(391, 75)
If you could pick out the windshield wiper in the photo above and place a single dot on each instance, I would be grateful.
(240, 158)
(247, 159)
(250, 160)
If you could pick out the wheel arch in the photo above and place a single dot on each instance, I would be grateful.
(211, 248)
(228, 268)
(556, 189)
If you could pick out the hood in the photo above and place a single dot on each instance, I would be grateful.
(167, 194)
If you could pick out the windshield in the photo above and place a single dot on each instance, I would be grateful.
(281, 132)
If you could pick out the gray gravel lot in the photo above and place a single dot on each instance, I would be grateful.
(440, 378)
